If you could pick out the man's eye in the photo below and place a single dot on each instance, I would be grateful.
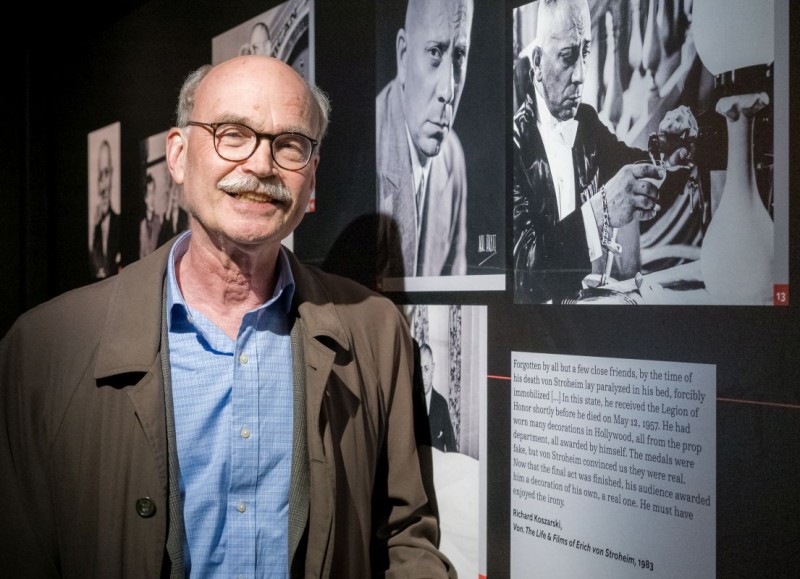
(570, 57)
(231, 133)
(289, 145)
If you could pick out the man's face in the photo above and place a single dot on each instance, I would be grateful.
(105, 172)
(426, 364)
(268, 96)
(432, 65)
(259, 40)
(559, 63)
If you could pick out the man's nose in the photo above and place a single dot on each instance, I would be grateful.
(579, 72)
(445, 87)
(261, 162)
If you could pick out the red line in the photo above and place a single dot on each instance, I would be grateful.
(734, 400)
(778, 404)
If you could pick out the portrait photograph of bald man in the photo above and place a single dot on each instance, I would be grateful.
(439, 181)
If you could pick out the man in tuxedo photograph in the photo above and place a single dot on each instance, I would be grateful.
(574, 182)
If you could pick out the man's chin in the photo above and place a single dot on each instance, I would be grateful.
(568, 112)
(432, 146)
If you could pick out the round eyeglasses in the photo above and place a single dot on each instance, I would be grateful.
(237, 142)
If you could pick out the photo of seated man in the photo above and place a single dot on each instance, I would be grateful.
(575, 183)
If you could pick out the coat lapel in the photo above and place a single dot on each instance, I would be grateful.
(317, 333)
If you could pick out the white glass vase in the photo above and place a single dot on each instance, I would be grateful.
(737, 250)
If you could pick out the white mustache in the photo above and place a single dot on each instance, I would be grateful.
(252, 184)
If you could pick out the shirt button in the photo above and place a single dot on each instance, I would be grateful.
(245, 432)
(241, 507)
(243, 358)
(145, 507)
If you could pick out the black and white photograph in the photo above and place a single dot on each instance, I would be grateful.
(440, 209)
(105, 257)
(163, 215)
(451, 340)
(284, 32)
(643, 154)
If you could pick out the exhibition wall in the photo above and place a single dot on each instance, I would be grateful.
(647, 427)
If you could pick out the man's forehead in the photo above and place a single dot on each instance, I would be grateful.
(257, 97)
(569, 21)
(436, 19)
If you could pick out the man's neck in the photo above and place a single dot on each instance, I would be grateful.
(226, 283)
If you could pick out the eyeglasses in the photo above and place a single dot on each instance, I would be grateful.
(237, 142)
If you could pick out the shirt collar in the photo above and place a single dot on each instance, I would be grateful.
(419, 171)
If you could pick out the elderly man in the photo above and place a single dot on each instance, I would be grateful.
(574, 182)
(217, 408)
(422, 184)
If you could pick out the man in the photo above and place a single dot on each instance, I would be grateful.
(442, 436)
(105, 256)
(574, 182)
(150, 225)
(175, 219)
(422, 184)
(218, 408)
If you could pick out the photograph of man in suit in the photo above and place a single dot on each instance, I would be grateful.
(574, 181)
(421, 173)
(442, 434)
(150, 224)
(105, 256)
(175, 218)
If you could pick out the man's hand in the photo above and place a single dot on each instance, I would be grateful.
(630, 195)
(677, 134)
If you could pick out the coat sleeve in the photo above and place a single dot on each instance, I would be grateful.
(406, 520)
(27, 534)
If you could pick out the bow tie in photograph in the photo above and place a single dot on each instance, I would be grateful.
(566, 131)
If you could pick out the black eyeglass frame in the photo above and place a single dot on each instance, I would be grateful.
(214, 126)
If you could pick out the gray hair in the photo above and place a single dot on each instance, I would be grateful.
(186, 99)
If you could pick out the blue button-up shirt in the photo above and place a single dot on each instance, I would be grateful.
(233, 423)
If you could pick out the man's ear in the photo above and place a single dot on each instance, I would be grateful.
(536, 64)
(401, 50)
(176, 154)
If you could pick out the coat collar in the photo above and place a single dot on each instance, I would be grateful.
(315, 306)
(131, 336)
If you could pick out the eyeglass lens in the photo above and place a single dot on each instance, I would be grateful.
(238, 142)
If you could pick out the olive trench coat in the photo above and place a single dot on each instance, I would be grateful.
(87, 454)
